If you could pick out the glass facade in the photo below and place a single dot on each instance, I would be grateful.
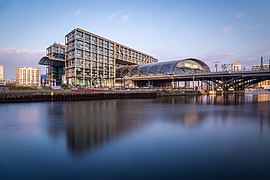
(186, 66)
(91, 59)
(91, 67)
(56, 51)
(54, 60)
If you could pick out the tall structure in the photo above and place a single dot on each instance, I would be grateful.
(27, 76)
(1, 74)
(91, 60)
(55, 61)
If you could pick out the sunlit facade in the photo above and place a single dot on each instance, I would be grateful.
(1, 74)
(91, 60)
(55, 73)
(27, 76)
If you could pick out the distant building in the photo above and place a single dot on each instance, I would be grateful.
(27, 76)
(260, 67)
(236, 66)
(1, 74)
(264, 84)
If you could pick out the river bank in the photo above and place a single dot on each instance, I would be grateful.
(62, 95)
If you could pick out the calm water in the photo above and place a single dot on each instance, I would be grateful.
(207, 137)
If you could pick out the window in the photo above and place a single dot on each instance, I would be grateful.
(106, 58)
(100, 58)
(100, 50)
(94, 64)
(100, 42)
(106, 44)
(106, 52)
(79, 53)
(79, 62)
(87, 37)
(79, 34)
(87, 46)
(87, 64)
(94, 48)
(87, 55)
(94, 40)
(111, 60)
(94, 57)
(111, 53)
(79, 44)
(62, 51)
(111, 45)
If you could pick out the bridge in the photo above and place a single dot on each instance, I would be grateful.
(238, 80)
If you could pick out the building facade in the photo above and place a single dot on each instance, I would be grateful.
(261, 67)
(55, 62)
(27, 76)
(55, 74)
(1, 74)
(91, 60)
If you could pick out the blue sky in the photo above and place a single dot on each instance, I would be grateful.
(211, 30)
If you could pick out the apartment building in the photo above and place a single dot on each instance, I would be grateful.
(27, 76)
(1, 74)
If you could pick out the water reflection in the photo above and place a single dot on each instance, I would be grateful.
(90, 124)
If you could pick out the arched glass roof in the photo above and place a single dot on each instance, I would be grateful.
(185, 66)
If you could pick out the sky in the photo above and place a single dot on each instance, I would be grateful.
(209, 30)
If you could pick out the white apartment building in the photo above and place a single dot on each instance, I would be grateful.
(27, 76)
(1, 73)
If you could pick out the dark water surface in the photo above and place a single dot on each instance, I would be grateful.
(207, 137)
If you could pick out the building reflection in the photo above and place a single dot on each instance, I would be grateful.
(90, 124)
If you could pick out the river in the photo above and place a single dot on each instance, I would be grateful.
(204, 137)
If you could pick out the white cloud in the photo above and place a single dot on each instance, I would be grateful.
(77, 12)
(12, 58)
(111, 17)
(227, 29)
(253, 27)
(240, 15)
(125, 18)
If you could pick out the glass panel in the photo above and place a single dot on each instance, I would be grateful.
(87, 64)
(86, 46)
(79, 44)
(94, 48)
(87, 37)
(94, 40)
(79, 34)
(79, 53)
(87, 55)
(100, 42)
(94, 64)
(111, 45)
(94, 56)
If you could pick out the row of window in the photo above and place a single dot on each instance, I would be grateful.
(55, 49)
(94, 48)
(95, 57)
(89, 64)
(94, 73)
(92, 39)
